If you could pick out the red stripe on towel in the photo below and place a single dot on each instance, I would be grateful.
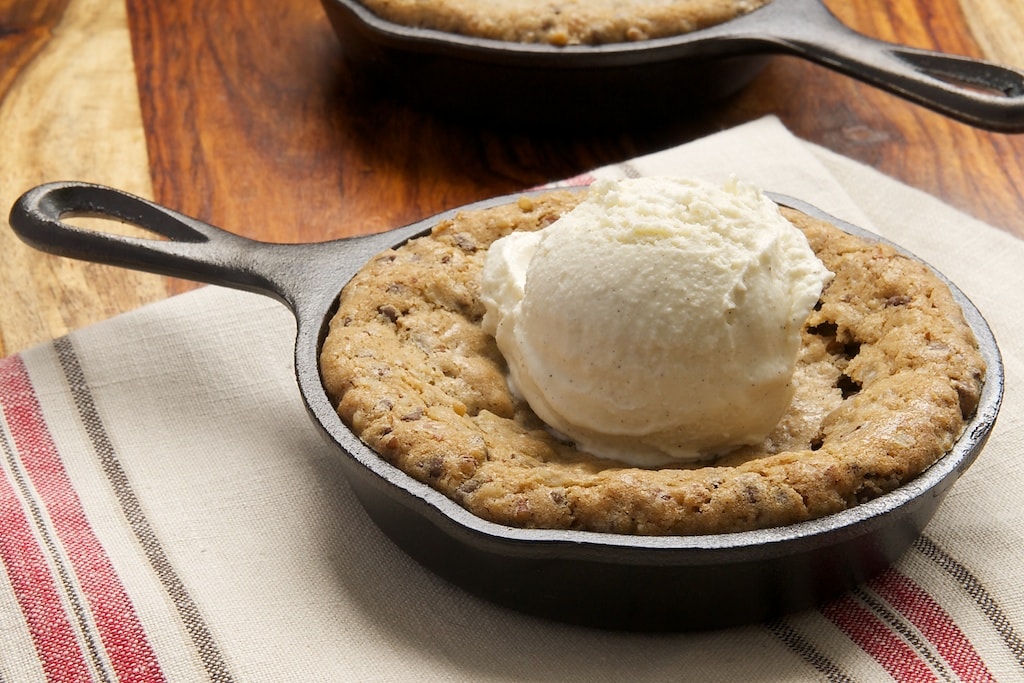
(581, 180)
(38, 597)
(873, 636)
(934, 623)
(92, 575)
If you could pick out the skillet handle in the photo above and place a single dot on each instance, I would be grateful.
(192, 249)
(973, 91)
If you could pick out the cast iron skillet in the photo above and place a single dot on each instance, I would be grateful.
(606, 580)
(529, 84)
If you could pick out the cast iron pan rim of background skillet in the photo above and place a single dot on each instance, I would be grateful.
(563, 574)
(495, 81)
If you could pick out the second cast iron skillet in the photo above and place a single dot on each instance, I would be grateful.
(538, 84)
(606, 580)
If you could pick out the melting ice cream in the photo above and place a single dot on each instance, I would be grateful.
(659, 320)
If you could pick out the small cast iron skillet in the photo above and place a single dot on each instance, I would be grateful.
(529, 84)
(606, 580)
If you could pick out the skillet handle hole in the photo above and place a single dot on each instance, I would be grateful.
(967, 74)
(111, 226)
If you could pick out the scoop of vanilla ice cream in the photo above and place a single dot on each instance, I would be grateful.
(657, 321)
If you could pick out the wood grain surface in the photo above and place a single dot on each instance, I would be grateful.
(245, 115)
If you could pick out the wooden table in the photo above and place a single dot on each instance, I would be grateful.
(245, 115)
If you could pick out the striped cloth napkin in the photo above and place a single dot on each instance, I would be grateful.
(169, 513)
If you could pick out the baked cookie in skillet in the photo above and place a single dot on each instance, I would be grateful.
(563, 22)
(887, 374)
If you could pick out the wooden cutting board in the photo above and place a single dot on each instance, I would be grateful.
(244, 114)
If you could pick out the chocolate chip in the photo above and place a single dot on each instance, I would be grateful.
(824, 329)
(847, 386)
(465, 242)
(435, 467)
